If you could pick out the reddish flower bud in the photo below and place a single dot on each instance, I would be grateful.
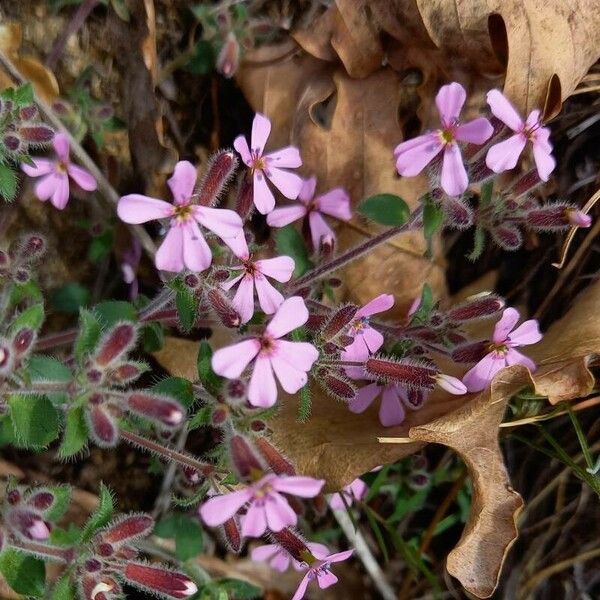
(92, 565)
(128, 528)
(292, 543)
(191, 475)
(339, 320)
(274, 458)
(94, 376)
(470, 353)
(114, 344)
(257, 426)
(102, 427)
(126, 373)
(28, 524)
(578, 218)
(408, 373)
(38, 134)
(32, 247)
(192, 281)
(22, 275)
(28, 112)
(42, 499)
(156, 407)
(418, 481)
(100, 587)
(105, 549)
(13, 497)
(12, 142)
(479, 172)
(482, 306)
(23, 341)
(245, 195)
(507, 236)
(244, 458)
(219, 172)
(159, 579)
(219, 416)
(228, 59)
(127, 552)
(232, 535)
(458, 213)
(524, 184)
(227, 314)
(335, 282)
(235, 390)
(338, 386)
(315, 322)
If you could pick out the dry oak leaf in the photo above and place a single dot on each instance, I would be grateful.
(545, 46)
(346, 130)
(568, 348)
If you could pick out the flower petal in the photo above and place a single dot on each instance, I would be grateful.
(265, 552)
(373, 339)
(182, 182)
(231, 361)
(61, 146)
(476, 131)
(45, 187)
(504, 155)
(254, 522)
(287, 158)
(290, 377)
(60, 197)
(544, 161)
(307, 191)
(504, 110)
(454, 174)
(261, 129)
(84, 179)
(268, 297)
(326, 579)
(170, 254)
(301, 355)
(279, 268)
(241, 145)
(196, 252)
(279, 513)
(481, 375)
(305, 487)
(336, 203)
(281, 561)
(318, 229)
(510, 317)
(218, 509)
(280, 217)
(41, 166)
(136, 209)
(263, 196)
(289, 316)
(299, 593)
(340, 556)
(364, 398)
(225, 223)
(227, 285)
(262, 390)
(288, 183)
(526, 333)
(514, 357)
(379, 304)
(414, 155)
(391, 410)
(243, 301)
(449, 101)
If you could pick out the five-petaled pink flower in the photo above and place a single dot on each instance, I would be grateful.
(54, 182)
(335, 203)
(504, 155)
(280, 559)
(289, 360)
(321, 571)
(271, 166)
(268, 508)
(502, 350)
(254, 274)
(184, 245)
(354, 491)
(414, 155)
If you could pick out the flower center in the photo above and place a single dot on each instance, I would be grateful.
(250, 267)
(182, 213)
(447, 135)
(258, 162)
(61, 167)
(529, 132)
(267, 344)
(500, 349)
(359, 325)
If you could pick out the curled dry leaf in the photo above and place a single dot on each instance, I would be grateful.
(545, 46)
(346, 130)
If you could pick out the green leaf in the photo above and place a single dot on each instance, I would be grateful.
(238, 589)
(209, 379)
(25, 574)
(25, 291)
(290, 243)
(62, 499)
(65, 537)
(433, 218)
(90, 330)
(64, 589)
(101, 516)
(46, 368)
(178, 388)
(75, 433)
(70, 298)
(100, 246)
(121, 9)
(187, 534)
(385, 209)
(24, 94)
(305, 404)
(34, 420)
(485, 196)
(201, 418)
(153, 337)
(478, 244)
(30, 318)
(113, 311)
(186, 305)
(425, 307)
(202, 60)
(8, 183)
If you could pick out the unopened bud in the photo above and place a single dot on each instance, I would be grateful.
(192, 281)
(578, 218)
(105, 549)
(219, 171)
(334, 282)
(42, 500)
(451, 384)
(227, 314)
(32, 247)
(485, 305)
(419, 481)
(22, 275)
(414, 399)
(219, 416)
(524, 184)
(278, 463)
(38, 134)
(12, 142)
(13, 497)
(26, 113)
(315, 322)
(245, 195)
(244, 458)
(156, 407)
(409, 374)
(257, 426)
(128, 528)
(92, 565)
(338, 386)
(114, 344)
(228, 59)
(232, 535)
(292, 543)
(160, 580)
(479, 172)
(326, 246)
(470, 353)
(191, 475)
(458, 213)
(126, 373)
(235, 390)
(23, 341)
(338, 321)
(507, 236)
(102, 427)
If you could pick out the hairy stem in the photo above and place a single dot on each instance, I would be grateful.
(64, 555)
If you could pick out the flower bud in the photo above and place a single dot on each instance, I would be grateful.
(23, 341)
(338, 386)
(451, 384)
(219, 416)
(22, 275)
(479, 172)
(418, 481)
(31, 247)
(578, 218)
(245, 195)
(476, 307)
(228, 59)
(524, 184)
(458, 213)
(409, 374)
(26, 113)
(232, 535)
(156, 407)
(414, 399)
(191, 475)
(42, 499)
(470, 353)
(315, 322)
(274, 458)
(127, 552)
(244, 458)
(13, 497)
(114, 344)
(38, 134)
(128, 528)
(105, 549)
(235, 390)
(507, 236)
(220, 169)
(192, 281)
(160, 580)
(92, 565)
(12, 142)
(338, 321)
(292, 543)
(257, 426)
(227, 314)
(28, 524)
(102, 427)
(126, 373)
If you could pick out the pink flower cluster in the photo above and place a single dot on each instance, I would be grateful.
(414, 155)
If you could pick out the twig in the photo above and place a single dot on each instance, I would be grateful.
(104, 187)
(363, 552)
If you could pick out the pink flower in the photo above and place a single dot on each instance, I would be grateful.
(54, 182)
(280, 559)
(321, 571)
(414, 155)
(504, 155)
(356, 490)
(578, 218)
(289, 360)
(502, 350)
(268, 508)
(184, 245)
(254, 275)
(335, 203)
(269, 166)
(450, 384)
